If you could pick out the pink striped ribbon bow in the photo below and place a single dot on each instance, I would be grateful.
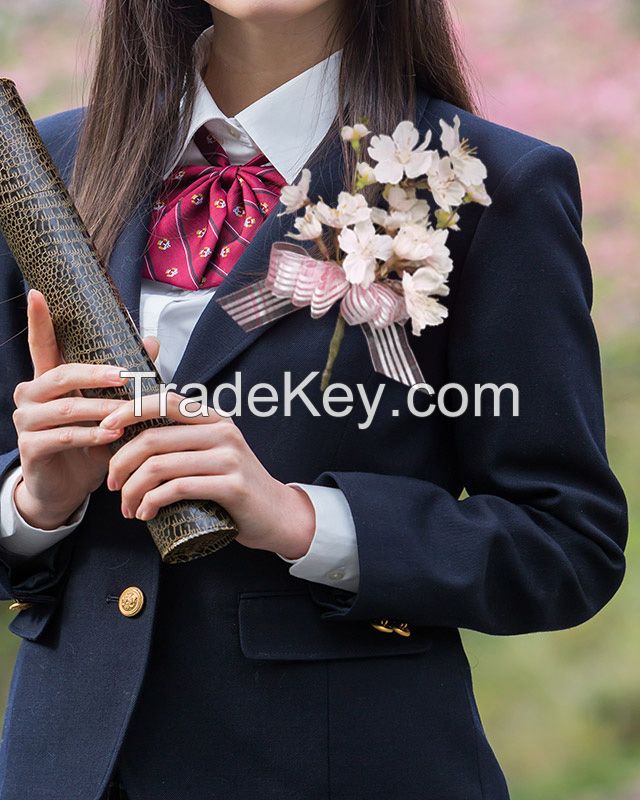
(206, 216)
(296, 280)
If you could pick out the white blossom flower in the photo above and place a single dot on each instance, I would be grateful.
(444, 185)
(355, 133)
(419, 290)
(478, 194)
(400, 154)
(469, 170)
(308, 227)
(440, 256)
(365, 174)
(400, 199)
(412, 243)
(351, 208)
(407, 202)
(296, 196)
(392, 220)
(404, 208)
(364, 247)
(425, 245)
(381, 217)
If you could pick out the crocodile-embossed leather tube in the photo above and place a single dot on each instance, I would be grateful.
(54, 252)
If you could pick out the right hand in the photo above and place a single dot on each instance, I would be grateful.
(64, 455)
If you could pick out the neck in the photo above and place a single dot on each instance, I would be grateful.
(250, 58)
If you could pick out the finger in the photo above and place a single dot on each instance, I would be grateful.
(212, 487)
(152, 346)
(150, 409)
(157, 441)
(169, 466)
(37, 445)
(66, 378)
(65, 411)
(41, 336)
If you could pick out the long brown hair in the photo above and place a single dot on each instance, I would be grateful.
(145, 67)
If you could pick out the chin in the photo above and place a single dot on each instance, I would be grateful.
(267, 10)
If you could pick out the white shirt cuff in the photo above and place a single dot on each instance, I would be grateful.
(332, 557)
(20, 538)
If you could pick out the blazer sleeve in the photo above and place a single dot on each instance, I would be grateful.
(538, 543)
(38, 579)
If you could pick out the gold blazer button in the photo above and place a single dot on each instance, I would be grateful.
(131, 602)
(383, 626)
(402, 629)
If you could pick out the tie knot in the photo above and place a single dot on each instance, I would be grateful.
(211, 150)
(206, 216)
(228, 176)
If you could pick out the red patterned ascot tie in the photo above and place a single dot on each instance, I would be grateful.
(205, 216)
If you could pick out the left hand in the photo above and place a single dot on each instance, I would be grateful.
(206, 458)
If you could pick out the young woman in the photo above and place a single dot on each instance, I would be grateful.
(318, 655)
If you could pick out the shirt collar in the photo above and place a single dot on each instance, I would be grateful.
(286, 125)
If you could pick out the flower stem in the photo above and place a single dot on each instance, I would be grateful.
(322, 248)
(334, 347)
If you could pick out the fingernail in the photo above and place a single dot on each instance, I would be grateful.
(125, 512)
(110, 422)
(142, 514)
(110, 485)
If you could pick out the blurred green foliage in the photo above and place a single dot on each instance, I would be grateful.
(563, 709)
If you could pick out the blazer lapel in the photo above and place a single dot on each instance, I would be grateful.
(125, 264)
(216, 338)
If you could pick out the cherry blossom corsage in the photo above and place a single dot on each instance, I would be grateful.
(384, 265)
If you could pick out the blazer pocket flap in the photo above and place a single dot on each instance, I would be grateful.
(287, 626)
(30, 622)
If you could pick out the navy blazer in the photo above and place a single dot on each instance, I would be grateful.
(240, 681)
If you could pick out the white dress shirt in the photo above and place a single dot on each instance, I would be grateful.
(286, 125)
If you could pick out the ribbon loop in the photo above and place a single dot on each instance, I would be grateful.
(297, 280)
